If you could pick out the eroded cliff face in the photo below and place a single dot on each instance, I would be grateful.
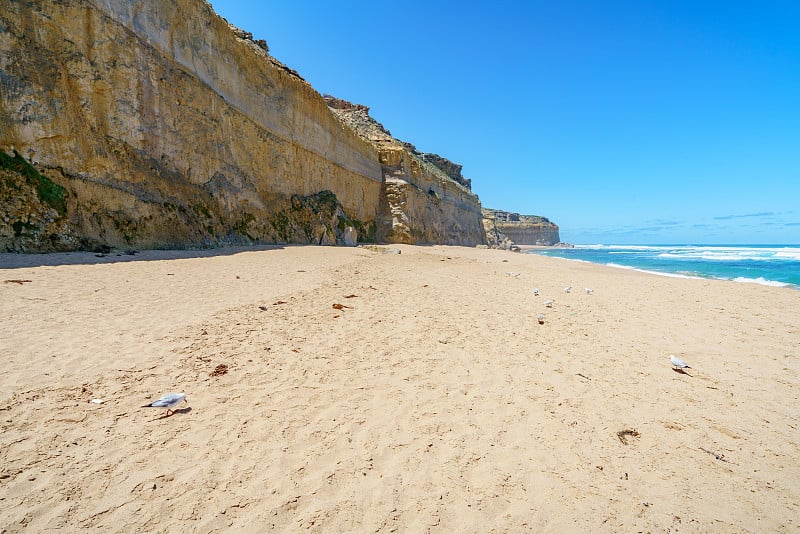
(425, 199)
(504, 227)
(159, 126)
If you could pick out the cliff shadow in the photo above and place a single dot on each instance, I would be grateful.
(14, 260)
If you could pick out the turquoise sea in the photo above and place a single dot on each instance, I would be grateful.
(774, 265)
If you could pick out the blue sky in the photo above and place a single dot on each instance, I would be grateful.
(622, 121)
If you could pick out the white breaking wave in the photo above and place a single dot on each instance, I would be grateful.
(659, 273)
(789, 254)
(705, 253)
(717, 256)
(732, 254)
(624, 247)
(790, 248)
(760, 280)
(774, 265)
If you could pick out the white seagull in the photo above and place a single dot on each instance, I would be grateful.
(567, 289)
(168, 401)
(588, 290)
(548, 303)
(677, 362)
(536, 291)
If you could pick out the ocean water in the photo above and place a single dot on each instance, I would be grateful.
(774, 265)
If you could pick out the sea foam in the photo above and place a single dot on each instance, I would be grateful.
(770, 265)
(760, 280)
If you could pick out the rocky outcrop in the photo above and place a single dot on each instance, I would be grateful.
(495, 238)
(161, 126)
(453, 170)
(155, 124)
(421, 202)
(504, 228)
(32, 209)
(423, 207)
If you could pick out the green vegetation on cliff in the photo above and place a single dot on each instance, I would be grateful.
(49, 192)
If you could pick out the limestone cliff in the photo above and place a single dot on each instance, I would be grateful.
(426, 200)
(502, 226)
(156, 124)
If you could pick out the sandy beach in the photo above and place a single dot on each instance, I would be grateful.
(358, 390)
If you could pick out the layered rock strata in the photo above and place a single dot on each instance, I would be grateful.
(425, 199)
(504, 229)
(156, 124)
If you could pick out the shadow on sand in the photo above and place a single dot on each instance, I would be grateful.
(182, 411)
(9, 260)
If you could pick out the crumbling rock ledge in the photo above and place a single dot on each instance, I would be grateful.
(424, 199)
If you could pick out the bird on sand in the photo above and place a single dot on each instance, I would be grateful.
(588, 290)
(536, 291)
(168, 401)
(677, 362)
(567, 289)
(548, 303)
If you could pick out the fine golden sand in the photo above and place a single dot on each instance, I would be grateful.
(356, 390)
